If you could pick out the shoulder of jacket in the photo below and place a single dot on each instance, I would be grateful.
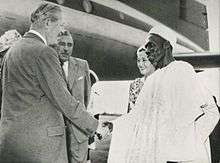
(78, 60)
(46, 50)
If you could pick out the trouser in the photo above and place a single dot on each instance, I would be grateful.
(73, 160)
(77, 153)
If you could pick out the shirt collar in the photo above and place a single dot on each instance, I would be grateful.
(39, 35)
(65, 63)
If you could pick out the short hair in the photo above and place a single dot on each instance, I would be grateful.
(45, 10)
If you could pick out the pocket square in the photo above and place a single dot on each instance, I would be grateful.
(80, 78)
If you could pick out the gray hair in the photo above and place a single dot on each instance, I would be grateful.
(44, 11)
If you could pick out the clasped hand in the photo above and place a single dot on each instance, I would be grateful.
(104, 129)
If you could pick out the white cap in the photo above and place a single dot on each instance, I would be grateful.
(164, 32)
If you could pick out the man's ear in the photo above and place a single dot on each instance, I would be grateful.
(166, 45)
(47, 23)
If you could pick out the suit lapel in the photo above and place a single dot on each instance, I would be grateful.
(72, 72)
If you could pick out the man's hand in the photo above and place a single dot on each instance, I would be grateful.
(109, 125)
(102, 131)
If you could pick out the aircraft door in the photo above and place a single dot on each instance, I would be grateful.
(94, 78)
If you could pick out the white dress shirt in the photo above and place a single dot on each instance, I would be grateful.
(65, 68)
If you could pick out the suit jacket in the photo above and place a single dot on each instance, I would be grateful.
(79, 85)
(35, 101)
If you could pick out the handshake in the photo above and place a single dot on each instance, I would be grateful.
(104, 129)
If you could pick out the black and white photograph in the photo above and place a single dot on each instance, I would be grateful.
(110, 81)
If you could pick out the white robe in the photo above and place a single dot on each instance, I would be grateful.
(172, 119)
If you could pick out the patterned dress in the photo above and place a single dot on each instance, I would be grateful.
(134, 90)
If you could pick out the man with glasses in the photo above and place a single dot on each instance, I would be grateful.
(76, 73)
(36, 99)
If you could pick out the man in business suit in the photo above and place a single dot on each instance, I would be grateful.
(36, 99)
(76, 72)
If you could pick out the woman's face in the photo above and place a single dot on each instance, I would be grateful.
(144, 65)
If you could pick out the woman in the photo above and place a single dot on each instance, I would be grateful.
(145, 68)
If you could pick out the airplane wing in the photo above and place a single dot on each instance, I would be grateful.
(201, 60)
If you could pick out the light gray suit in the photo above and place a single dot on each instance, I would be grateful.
(34, 104)
(79, 86)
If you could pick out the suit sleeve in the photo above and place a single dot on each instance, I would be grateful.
(49, 74)
(87, 85)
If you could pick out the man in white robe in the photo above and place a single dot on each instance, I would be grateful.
(174, 113)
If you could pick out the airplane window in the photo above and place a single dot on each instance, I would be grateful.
(87, 6)
(199, 17)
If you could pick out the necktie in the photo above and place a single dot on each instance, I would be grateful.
(65, 68)
(64, 76)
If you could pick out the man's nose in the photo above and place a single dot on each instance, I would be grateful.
(65, 47)
(65, 50)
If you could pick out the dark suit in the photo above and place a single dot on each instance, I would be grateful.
(79, 86)
(34, 104)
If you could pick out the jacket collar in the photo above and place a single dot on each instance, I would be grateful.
(72, 71)
(34, 36)
(39, 35)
